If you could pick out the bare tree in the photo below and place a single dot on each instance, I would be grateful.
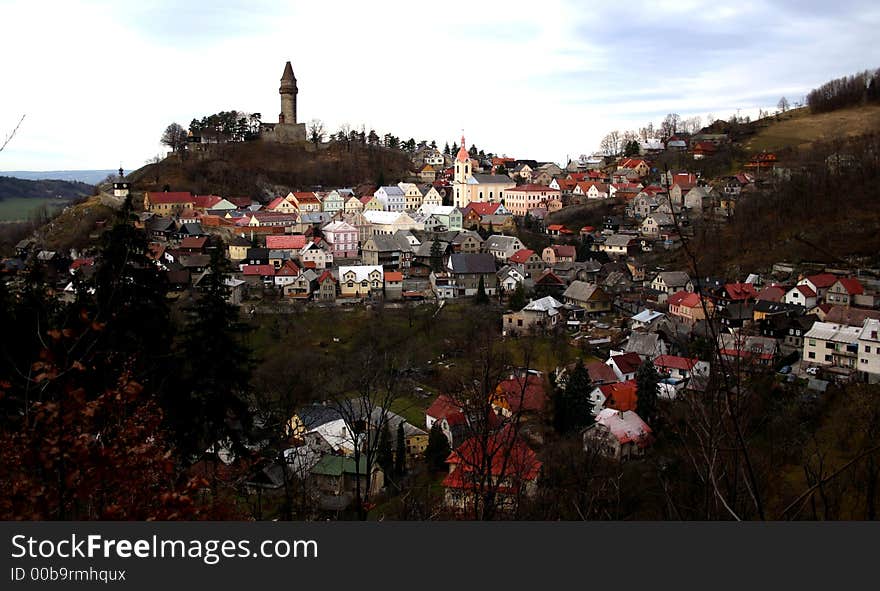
(11, 134)
(174, 137)
(783, 105)
(316, 131)
(611, 144)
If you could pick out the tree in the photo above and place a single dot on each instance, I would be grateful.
(501, 170)
(174, 137)
(11, 134)
(384, 455)
(473, 152)
(373, 138)
(518, 298)
(783, 104)
(438, 448)
(400, 451)
(410, 145)
(482, 298)
(437, 255)
(316, 131)
(610, 144)
(572, 408)
(670, 125)
(647, 382)
(446, 149)
(631, 148)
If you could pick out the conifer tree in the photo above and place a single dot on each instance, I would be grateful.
(400, 452)
(438, 448)
(384, 456)
(482, 298)
(647, 380)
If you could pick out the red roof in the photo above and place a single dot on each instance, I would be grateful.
(587, 229)
(521, 256)
(206, 201)
(482, 208)
(740, 291)
(600, 372)
(685, 299)
(772, 293)
(393, 276)
(633, 163)
(806, 290)
(522, 394)
(275, 203)
(823, 280)
(76, 264)
(288, 269)
(555, 227)
(292, 242)
(533, 188)
(548, 277)
(260, 270)
(507, 454)
(564, 250)
(675, 362)
(577, 176)
(627, 362)
(197, 242)
(325, 276)
(366, 199)
(240, 201)
(705, 147)
(442, 407)
(851, 285)
(600, 187)
(620, 395)
(566, 184)
(171, 197)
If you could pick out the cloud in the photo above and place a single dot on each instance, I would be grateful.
(100, 80)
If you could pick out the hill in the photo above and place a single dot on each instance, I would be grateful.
(262, 169)
(799, 128)
(15, 188)
(91, 177)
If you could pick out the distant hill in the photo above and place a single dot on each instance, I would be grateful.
(91, 177)
(263, 169)
(15, 188)
(799, 128)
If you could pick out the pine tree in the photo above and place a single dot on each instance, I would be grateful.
(518, 298)
(400, 453)
(482, 298)
(436, 255)
(446, 149)
(573, 411)
(384, 457)
(647, 380)
(438, 448)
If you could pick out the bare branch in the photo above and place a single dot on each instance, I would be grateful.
(12, 134)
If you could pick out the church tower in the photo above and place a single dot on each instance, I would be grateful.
(463, 173)
(288, 93)
(121, 186)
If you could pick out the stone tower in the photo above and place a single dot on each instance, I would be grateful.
(288, 93)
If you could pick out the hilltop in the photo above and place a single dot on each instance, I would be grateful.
(16, 188)
(263, 169)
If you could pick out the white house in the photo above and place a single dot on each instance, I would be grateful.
(802, 295)
(869, 350)
(392, 198)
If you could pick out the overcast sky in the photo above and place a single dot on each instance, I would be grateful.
(100, 80)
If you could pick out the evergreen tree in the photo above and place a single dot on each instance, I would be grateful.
(217, 365)
(572, 410)
(400, 453)
(473, 152)
(384, 456)
(647, 380)
(482, 298)
(501, 169)
(446, 149)
(454, 150)
(434, 144)
(438, 448)
(436, 255)
(518, 298)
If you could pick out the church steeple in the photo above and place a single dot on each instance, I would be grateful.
(288, 91)
(460, 191)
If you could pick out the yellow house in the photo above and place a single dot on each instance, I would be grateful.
(360, 280)
(412, 196)
(371, 203)
(168, 203)
(353, 205)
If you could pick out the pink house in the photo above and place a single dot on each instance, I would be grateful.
(342, 238)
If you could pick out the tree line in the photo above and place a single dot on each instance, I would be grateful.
(846, 91)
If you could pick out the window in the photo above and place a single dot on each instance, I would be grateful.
(812, 342)
(811, 355)
(867, 349)
(828, 358)
(829, 345)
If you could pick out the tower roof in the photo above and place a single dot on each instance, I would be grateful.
(288, 72)
(462, 155)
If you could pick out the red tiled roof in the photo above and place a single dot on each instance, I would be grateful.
(627, 362)
(600, 372)
(442, 407)
(522, 394)
(564, 250)
(852, 285)
(86, 262)
(483, 208)
(555, 227)
(771, 293)
(566, 184)
(532, 188)
(620, 395)
(292, 242)
(508, 455)
(685, 299)
(393, 276)
(171, 197)
(521, 256)
(806, 290)
(548, 277)
(675, 362)
(194, 242)
(740, 291)
(585, 186)
(206, 201)
(823, 280)
(288, 269)
(260, 270)
(327, 275)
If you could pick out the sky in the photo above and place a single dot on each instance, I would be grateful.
(98, 81)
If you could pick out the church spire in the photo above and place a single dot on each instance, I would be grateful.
(462, 155)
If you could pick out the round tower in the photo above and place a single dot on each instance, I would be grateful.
(288, 93)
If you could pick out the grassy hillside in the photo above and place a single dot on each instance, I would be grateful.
(260, 170)
(800, 129)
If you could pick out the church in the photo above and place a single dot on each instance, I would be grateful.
(468, 187)
(287, 130)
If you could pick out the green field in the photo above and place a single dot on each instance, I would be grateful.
(18, 209)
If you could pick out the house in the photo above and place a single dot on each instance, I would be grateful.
(680, 367)
(523, 394)
(302, 286)
(670, 282)
(449, 217)
(286, 274)
(282, 205)
(502, 462)
(590, 190)
(412, 195)
(502, 247)
(656, 224)
(646, 320)
(316, 254)
(844, 291)
(733, 293)
(624, 365)
(748, 348)
(537, 315)
(371, 203)
(327, 287)
(802, 295)
(869, 351)
(619, 245)
(339, 476)
(428, 174)
(619, 435)
(559, 253)
(690, 307)
(389, 222)
(353, 204)
(588, 296)
(342, 238)
(820, 283)
(836, 345)
(495, 223)
(511, 276)
(519, 200)
(393, 285)
(237, 248)
(467, 269)
(532, 264)
(431, 196)
(647, 345)
(637, 164)
(168, 203)
(390, 252)
(360, 280)
(467, 241)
